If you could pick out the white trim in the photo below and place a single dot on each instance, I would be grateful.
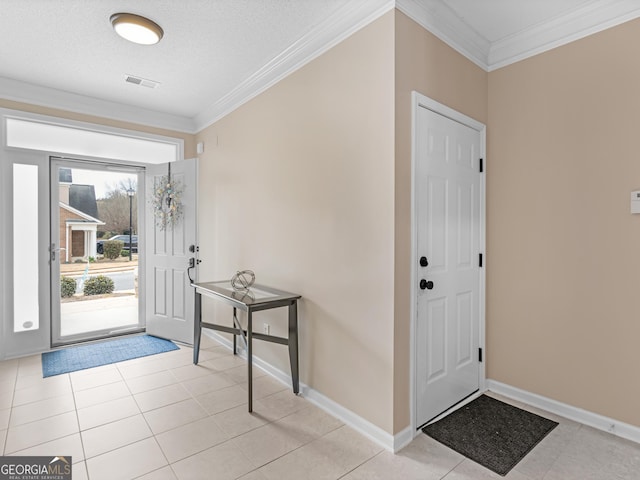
(413, 307)
(436, 17)
(392, 443)
(333, 30)
(440, 20)
(595, 420)
(582, 22)
(82, 226)
(372, 432)
(66, 244)
(86, 126)
(424, 101)
(23, 92)
(418, 100)
(75, 211)
(433, 15)
(403, 438)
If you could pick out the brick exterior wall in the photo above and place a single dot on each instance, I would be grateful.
(77, 244)
(73, 252)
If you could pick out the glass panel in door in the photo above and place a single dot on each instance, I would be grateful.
(24, 269)
(94, 218)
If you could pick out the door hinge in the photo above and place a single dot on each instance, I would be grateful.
(480, 260)
(480, 355)
(481, 165)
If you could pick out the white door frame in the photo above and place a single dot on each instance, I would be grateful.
(421, 101)
(55, 312)
(22, 147)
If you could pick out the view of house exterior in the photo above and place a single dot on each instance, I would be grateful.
(78, 219)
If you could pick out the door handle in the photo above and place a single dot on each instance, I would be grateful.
(53, 251)
(194, 261)
(428, 284)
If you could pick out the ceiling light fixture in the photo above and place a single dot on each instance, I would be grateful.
(136, 29)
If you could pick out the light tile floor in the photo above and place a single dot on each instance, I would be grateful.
(161, 417)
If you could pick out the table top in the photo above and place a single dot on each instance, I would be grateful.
(257, 295)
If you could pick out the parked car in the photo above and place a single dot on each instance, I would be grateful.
(122, 238)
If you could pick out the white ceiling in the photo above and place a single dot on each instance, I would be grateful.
(498, 19)
(216, 54)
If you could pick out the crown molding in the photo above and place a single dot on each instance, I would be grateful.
(591, 18)
(23, 92)
(433, 15)
(340, 25)
(333, 30)
(439, 19)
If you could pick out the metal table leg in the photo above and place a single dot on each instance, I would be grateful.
(235, 347)
(249, 359)
(293, 346)
(197, 327)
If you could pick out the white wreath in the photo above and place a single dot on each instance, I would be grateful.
(167, 203)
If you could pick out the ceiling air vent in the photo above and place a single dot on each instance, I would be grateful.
(141, 81)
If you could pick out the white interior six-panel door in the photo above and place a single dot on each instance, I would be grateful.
(448, 208)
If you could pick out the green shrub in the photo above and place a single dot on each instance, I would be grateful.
(67, 286)
(124, 253)
(98, 285)
(112, 248)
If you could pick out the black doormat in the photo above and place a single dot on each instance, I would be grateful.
(490, 432)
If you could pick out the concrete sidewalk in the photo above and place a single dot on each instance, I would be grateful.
(99, 314)
(120, 265)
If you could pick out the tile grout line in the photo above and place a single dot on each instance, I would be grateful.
(153, 435)
(192, 397)
(176, 381)
(75, 407)
(6, 433)
(38, 420)
(361, 464)
(231, 438)
(455, 466)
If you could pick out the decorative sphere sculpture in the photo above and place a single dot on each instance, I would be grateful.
(243, 280)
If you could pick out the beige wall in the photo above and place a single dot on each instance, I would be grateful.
(189, 144)
(563, 251)
(309, 185)
(297, 185)
(427, 65)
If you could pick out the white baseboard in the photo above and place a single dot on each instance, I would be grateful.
(393, 443)
(600, 422)
(402, 439)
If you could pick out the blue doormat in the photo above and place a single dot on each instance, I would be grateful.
(96, 354)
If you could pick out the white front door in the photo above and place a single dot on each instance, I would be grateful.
(449, 203)
(170, 297)
(92, 317)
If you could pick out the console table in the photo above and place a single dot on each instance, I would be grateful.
(255, 299)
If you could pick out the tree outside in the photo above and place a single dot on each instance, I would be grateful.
(113, 210)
